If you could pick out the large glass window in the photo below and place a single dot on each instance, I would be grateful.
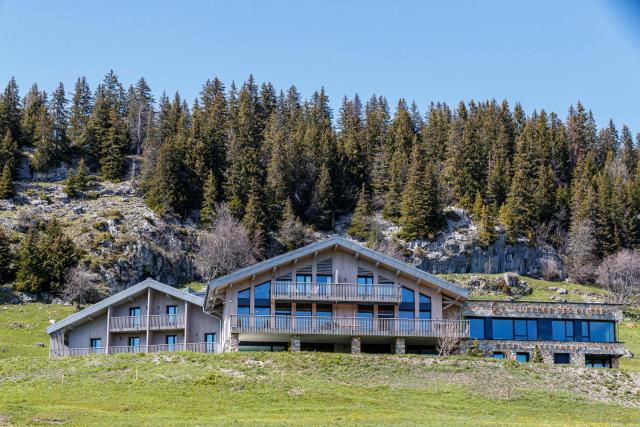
(303, 310)
(425, 306)
(407, 304)
(385, 312)
(601, 331)
(502, 329)
(303, 283)
(365, 286)
(244, 301)
(262, 299)
(324, 284)
(562, 330)
(135, 312)
(532, 329)
(476, 328)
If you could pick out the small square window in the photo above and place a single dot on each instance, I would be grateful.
(498, 355)
(561, 358)
(522, 357)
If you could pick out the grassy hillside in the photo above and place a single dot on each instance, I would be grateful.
(309, 389)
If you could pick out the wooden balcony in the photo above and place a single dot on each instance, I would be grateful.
(139, 323)
(336, 292)
(166, 321)
(351, 326)
(197, 347)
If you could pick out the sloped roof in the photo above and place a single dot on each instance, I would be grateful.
(344, 243)
(120, 296)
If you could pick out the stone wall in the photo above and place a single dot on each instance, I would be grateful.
(577, 350)
(547, 310)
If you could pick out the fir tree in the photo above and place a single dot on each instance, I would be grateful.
(321, 210)
(255, 219)
(518, 214)
(629, 152)
(6, 258)
(545, 194)
(44, 258)
(6, 183)
(45, 155)
(60, 123)
(70, 186)
(81, 176)
(34, 102)
(420, 207)
(478, 204)
(361, 221)
(81, 108)
(537, 355)
(165, 193)
(9, 152)
(291, 232)
(112, 149)
(10, 112)
(210, 197)
(487, 227)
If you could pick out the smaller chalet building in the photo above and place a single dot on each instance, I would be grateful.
(338, 296)
(147, 317)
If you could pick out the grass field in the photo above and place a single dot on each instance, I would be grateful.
(298, 389)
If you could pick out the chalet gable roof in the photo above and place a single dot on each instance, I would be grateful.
(123, 295)
(349, 245)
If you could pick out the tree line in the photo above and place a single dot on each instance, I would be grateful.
(264, 153)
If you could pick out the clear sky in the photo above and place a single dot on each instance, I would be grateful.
(545, 53)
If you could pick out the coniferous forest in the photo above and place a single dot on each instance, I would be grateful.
(268, 153)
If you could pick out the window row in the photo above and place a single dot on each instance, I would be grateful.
(262, 302)
(591, 360)
(542, 329)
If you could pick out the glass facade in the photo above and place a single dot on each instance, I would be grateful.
(425, 306)
(541, 329)
(407, 304)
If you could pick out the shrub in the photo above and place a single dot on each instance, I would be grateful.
(474, 350)
(537, 355)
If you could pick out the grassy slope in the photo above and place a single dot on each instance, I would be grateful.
(540, 289)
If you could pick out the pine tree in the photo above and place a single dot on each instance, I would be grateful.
(60, 123)
(81, 177)
(112, 150)
(45, 256)
(34, 102)
(545, 194)
(361, 221)
(255, 218)
(321, 210)
(10, 113)
(629, 152)
(45, 155)
(210, 197)
(353, 170)
(6, 258)
(6, 182)
(478, 204)
(9, 152)
(420, 207)
(487, 227)
(518, 213)
(81, 108)
(70, 186)
(165, 193)
(291, 232)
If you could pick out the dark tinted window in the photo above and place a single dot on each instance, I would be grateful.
(476, 328)
(601, 331)
(502, 329)
(561, 358)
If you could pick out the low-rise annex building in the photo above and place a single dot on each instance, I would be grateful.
(337, 295)
(147, 317)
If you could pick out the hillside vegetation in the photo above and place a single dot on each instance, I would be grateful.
(301, 389)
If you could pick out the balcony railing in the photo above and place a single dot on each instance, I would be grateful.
(354, 326)
(356, 292)
(197, 347)
(128, 323)
(166, 321)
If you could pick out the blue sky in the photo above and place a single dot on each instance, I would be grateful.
(545, 54)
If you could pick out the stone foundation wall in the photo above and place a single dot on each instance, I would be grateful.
(547, 310)
(355, 345)
(232, 343)
(576, 350)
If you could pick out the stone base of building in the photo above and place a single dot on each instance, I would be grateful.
(548, 349)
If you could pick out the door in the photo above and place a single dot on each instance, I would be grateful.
(96, 345)
(171, 341)
(134, 313)
(172, 311)
(210, 341)
(134, 343)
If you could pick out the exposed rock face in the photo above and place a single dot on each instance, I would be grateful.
(456, 251)
(123, 240)
(509, 284)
